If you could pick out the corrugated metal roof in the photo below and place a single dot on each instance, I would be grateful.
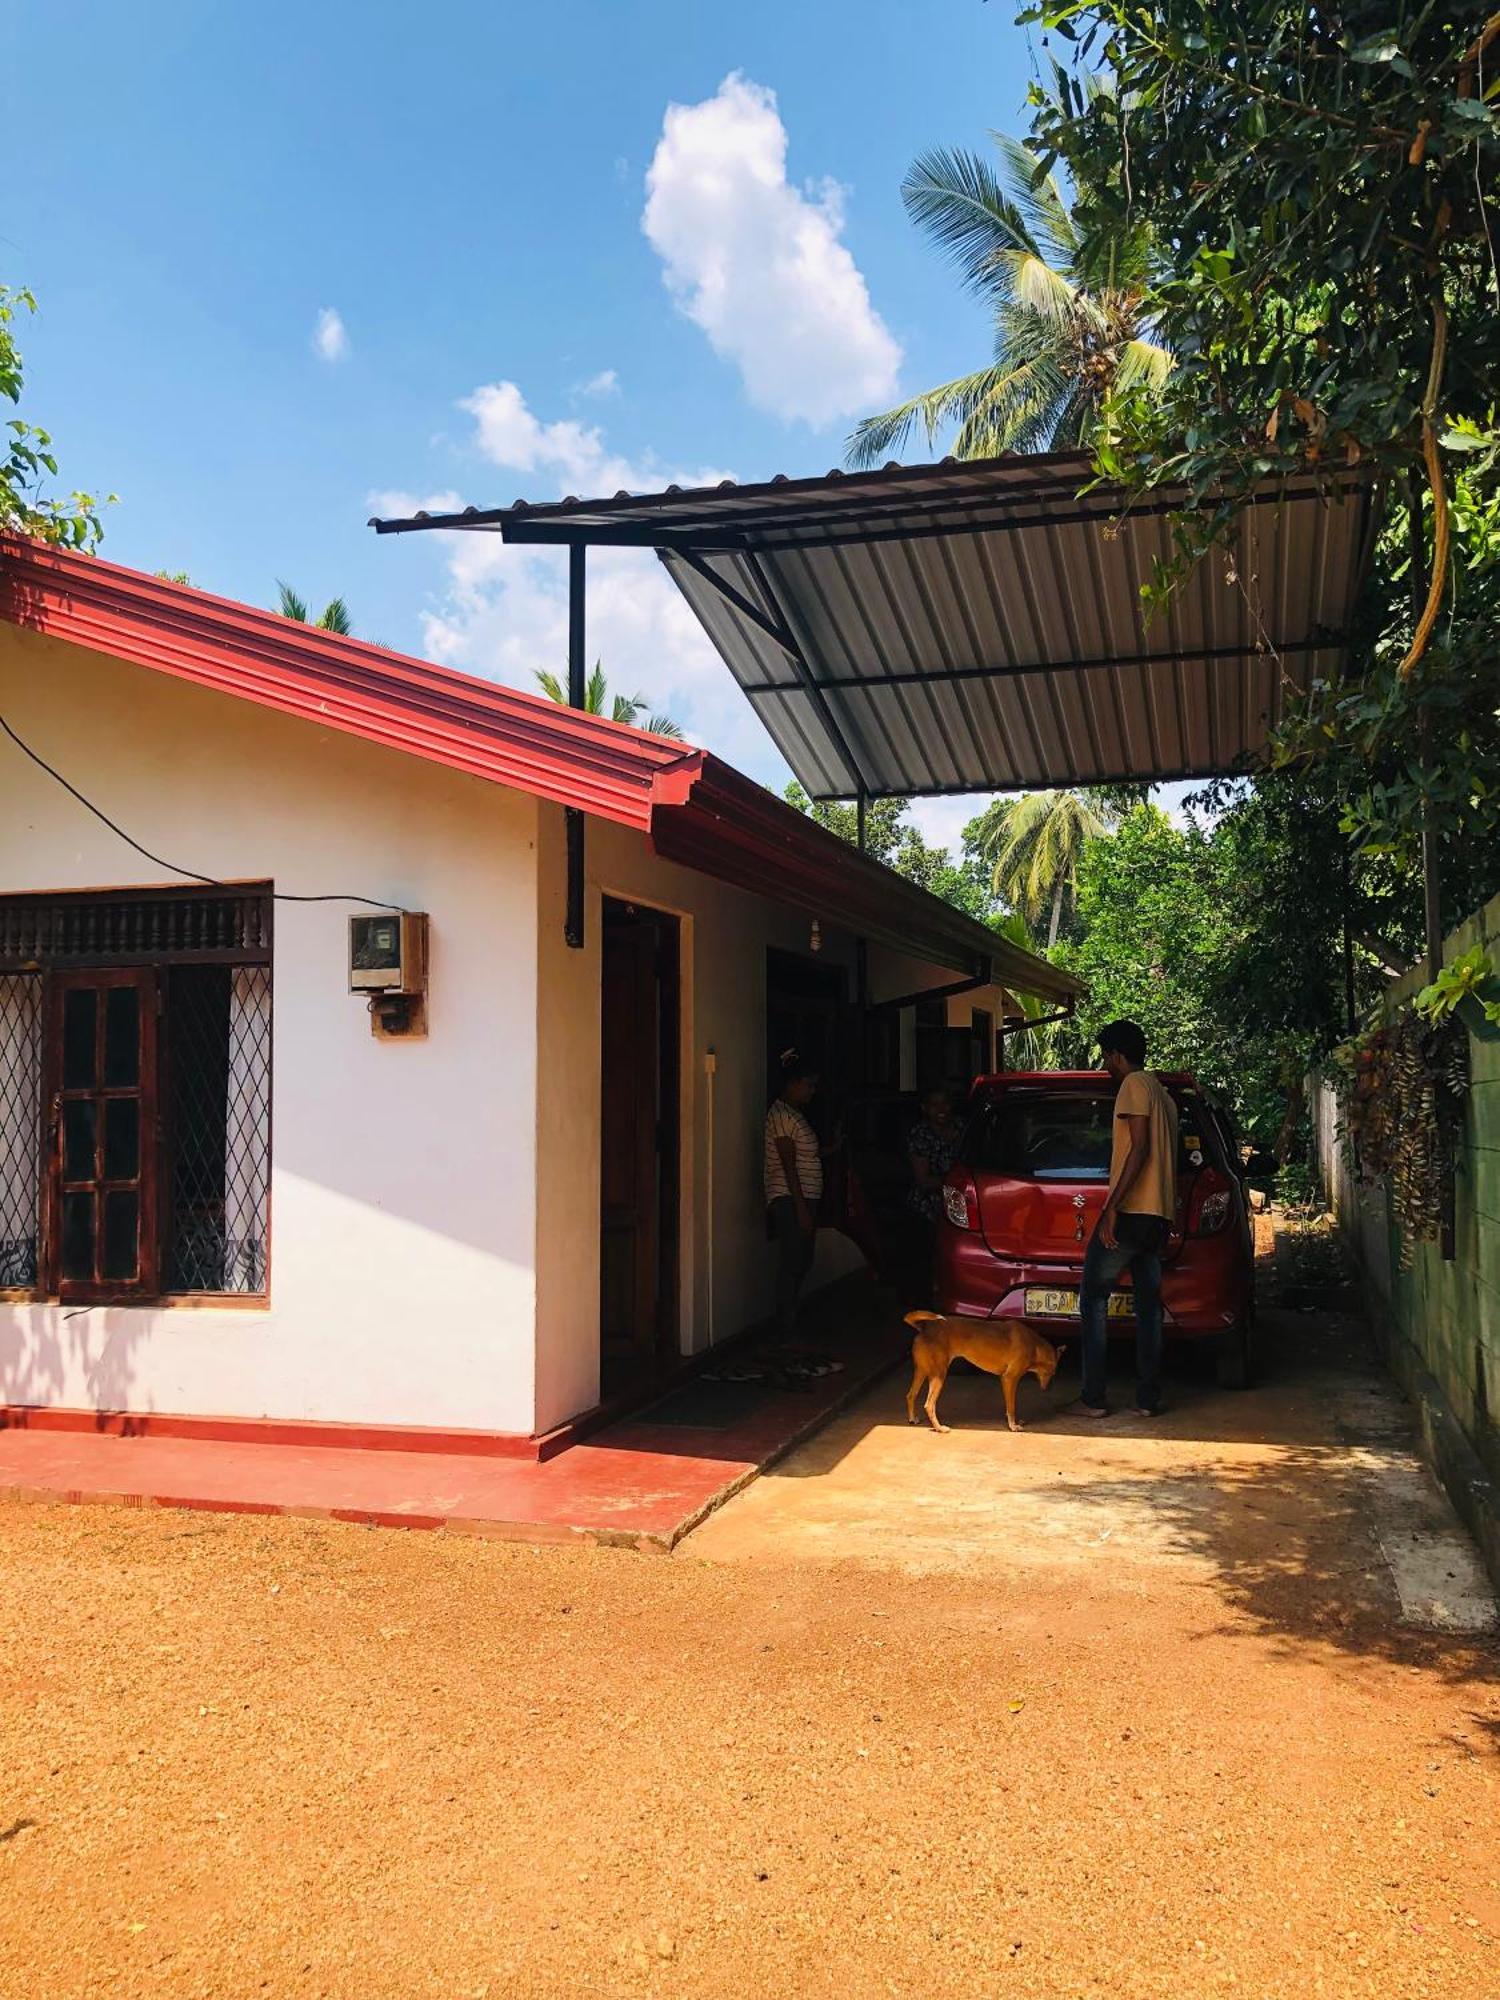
(975, 626)
(695, 810)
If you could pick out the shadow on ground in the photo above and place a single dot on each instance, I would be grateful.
(1300, 1505)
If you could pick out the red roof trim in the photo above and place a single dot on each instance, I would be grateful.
(471, 725)
(697, 811)
(736, 830)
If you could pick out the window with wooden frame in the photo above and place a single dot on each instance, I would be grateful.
(135, 1096)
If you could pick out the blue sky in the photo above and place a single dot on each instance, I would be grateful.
(299, 263)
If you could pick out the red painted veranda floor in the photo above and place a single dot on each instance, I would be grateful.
(637, 1481)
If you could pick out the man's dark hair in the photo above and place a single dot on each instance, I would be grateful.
(1124, 1038)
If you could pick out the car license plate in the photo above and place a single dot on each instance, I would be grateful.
(1064, 1305)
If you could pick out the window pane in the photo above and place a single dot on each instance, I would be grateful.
(78, 1235)
(122, 1036)
(217, 1122)
(79, 1015)
(79, 1123)
(1045, 1135)
(122, 1138)
(20, 1126)
(121, 1233)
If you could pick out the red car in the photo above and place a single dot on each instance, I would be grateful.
(1032, 1176)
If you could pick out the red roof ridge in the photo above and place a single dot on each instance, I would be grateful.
(696, 810)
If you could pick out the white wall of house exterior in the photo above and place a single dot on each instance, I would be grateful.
(434, 1215)
(404, 1175)
(726, 1265)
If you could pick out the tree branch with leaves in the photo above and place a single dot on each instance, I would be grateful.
(27, 461)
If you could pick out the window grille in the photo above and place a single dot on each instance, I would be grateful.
(207, 1113)
(20, 1127)
(216, 1037)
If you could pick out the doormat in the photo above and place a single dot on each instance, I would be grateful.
(707, 1406)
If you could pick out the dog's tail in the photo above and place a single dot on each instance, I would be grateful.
(917, 1320)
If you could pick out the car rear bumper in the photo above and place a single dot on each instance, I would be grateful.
(1202, 1291)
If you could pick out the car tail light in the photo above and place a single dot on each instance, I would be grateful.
(1213, 1204)
(961, 1204)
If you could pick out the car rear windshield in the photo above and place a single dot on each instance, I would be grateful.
(1064, 1135)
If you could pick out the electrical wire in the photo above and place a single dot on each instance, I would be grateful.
(172, 868)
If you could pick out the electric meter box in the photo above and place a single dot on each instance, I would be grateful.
(388, 954)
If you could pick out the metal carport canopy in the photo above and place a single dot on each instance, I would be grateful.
(980, 626)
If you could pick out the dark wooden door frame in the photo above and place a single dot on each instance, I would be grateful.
(143, 1183)
(658, 1136)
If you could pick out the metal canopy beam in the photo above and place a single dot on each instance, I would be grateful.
(979, 625)
(790, 645)
(757, 690)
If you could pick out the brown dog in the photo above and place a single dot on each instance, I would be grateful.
(1007, 1348)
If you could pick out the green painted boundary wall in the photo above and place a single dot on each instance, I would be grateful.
(1439, 1322)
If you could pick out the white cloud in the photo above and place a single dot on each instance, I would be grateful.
(330, 336)
(567, 455)
(502, 611)
(942, 821)
(605, 383)
(759, 265)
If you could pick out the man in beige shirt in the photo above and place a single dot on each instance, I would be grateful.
(1132, 1232)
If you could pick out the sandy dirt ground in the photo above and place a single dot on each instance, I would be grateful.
(278, 1757)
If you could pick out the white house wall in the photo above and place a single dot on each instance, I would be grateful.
(404, 1175)
(727, 1267)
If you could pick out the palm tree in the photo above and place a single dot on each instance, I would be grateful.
(1034, 843)
(1071, 321)
(334, 617)
(1029, 1047)
(597, 700)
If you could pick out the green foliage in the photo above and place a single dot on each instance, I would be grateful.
(1322, 189)
(1319, 178)
(27, 461)
(1154, 930)
(1404, 749)
(597, 700)
(1224, 940)
(890, 837)
(1030, 1047)
(1070, 322)
(1469, 977)
(334, 617)
(1033, 842)
(1401, 1089)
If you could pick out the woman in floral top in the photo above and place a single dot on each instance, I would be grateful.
(931, 1148)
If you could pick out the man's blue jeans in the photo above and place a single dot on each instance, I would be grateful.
(1140, 1240)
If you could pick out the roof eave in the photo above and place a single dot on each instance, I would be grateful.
(735, 830)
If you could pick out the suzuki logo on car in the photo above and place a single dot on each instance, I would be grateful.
(1078, 1207)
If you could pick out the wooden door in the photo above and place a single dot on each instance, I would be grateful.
(638, 1082)
(100, 1051)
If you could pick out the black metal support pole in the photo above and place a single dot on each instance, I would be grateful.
(860, 801)
(577, 694)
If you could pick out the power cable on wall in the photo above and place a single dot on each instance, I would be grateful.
(172, 868)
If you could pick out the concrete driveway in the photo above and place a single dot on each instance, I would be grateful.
(1301, 1503)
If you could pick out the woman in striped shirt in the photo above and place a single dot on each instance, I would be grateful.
(794, 1186)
